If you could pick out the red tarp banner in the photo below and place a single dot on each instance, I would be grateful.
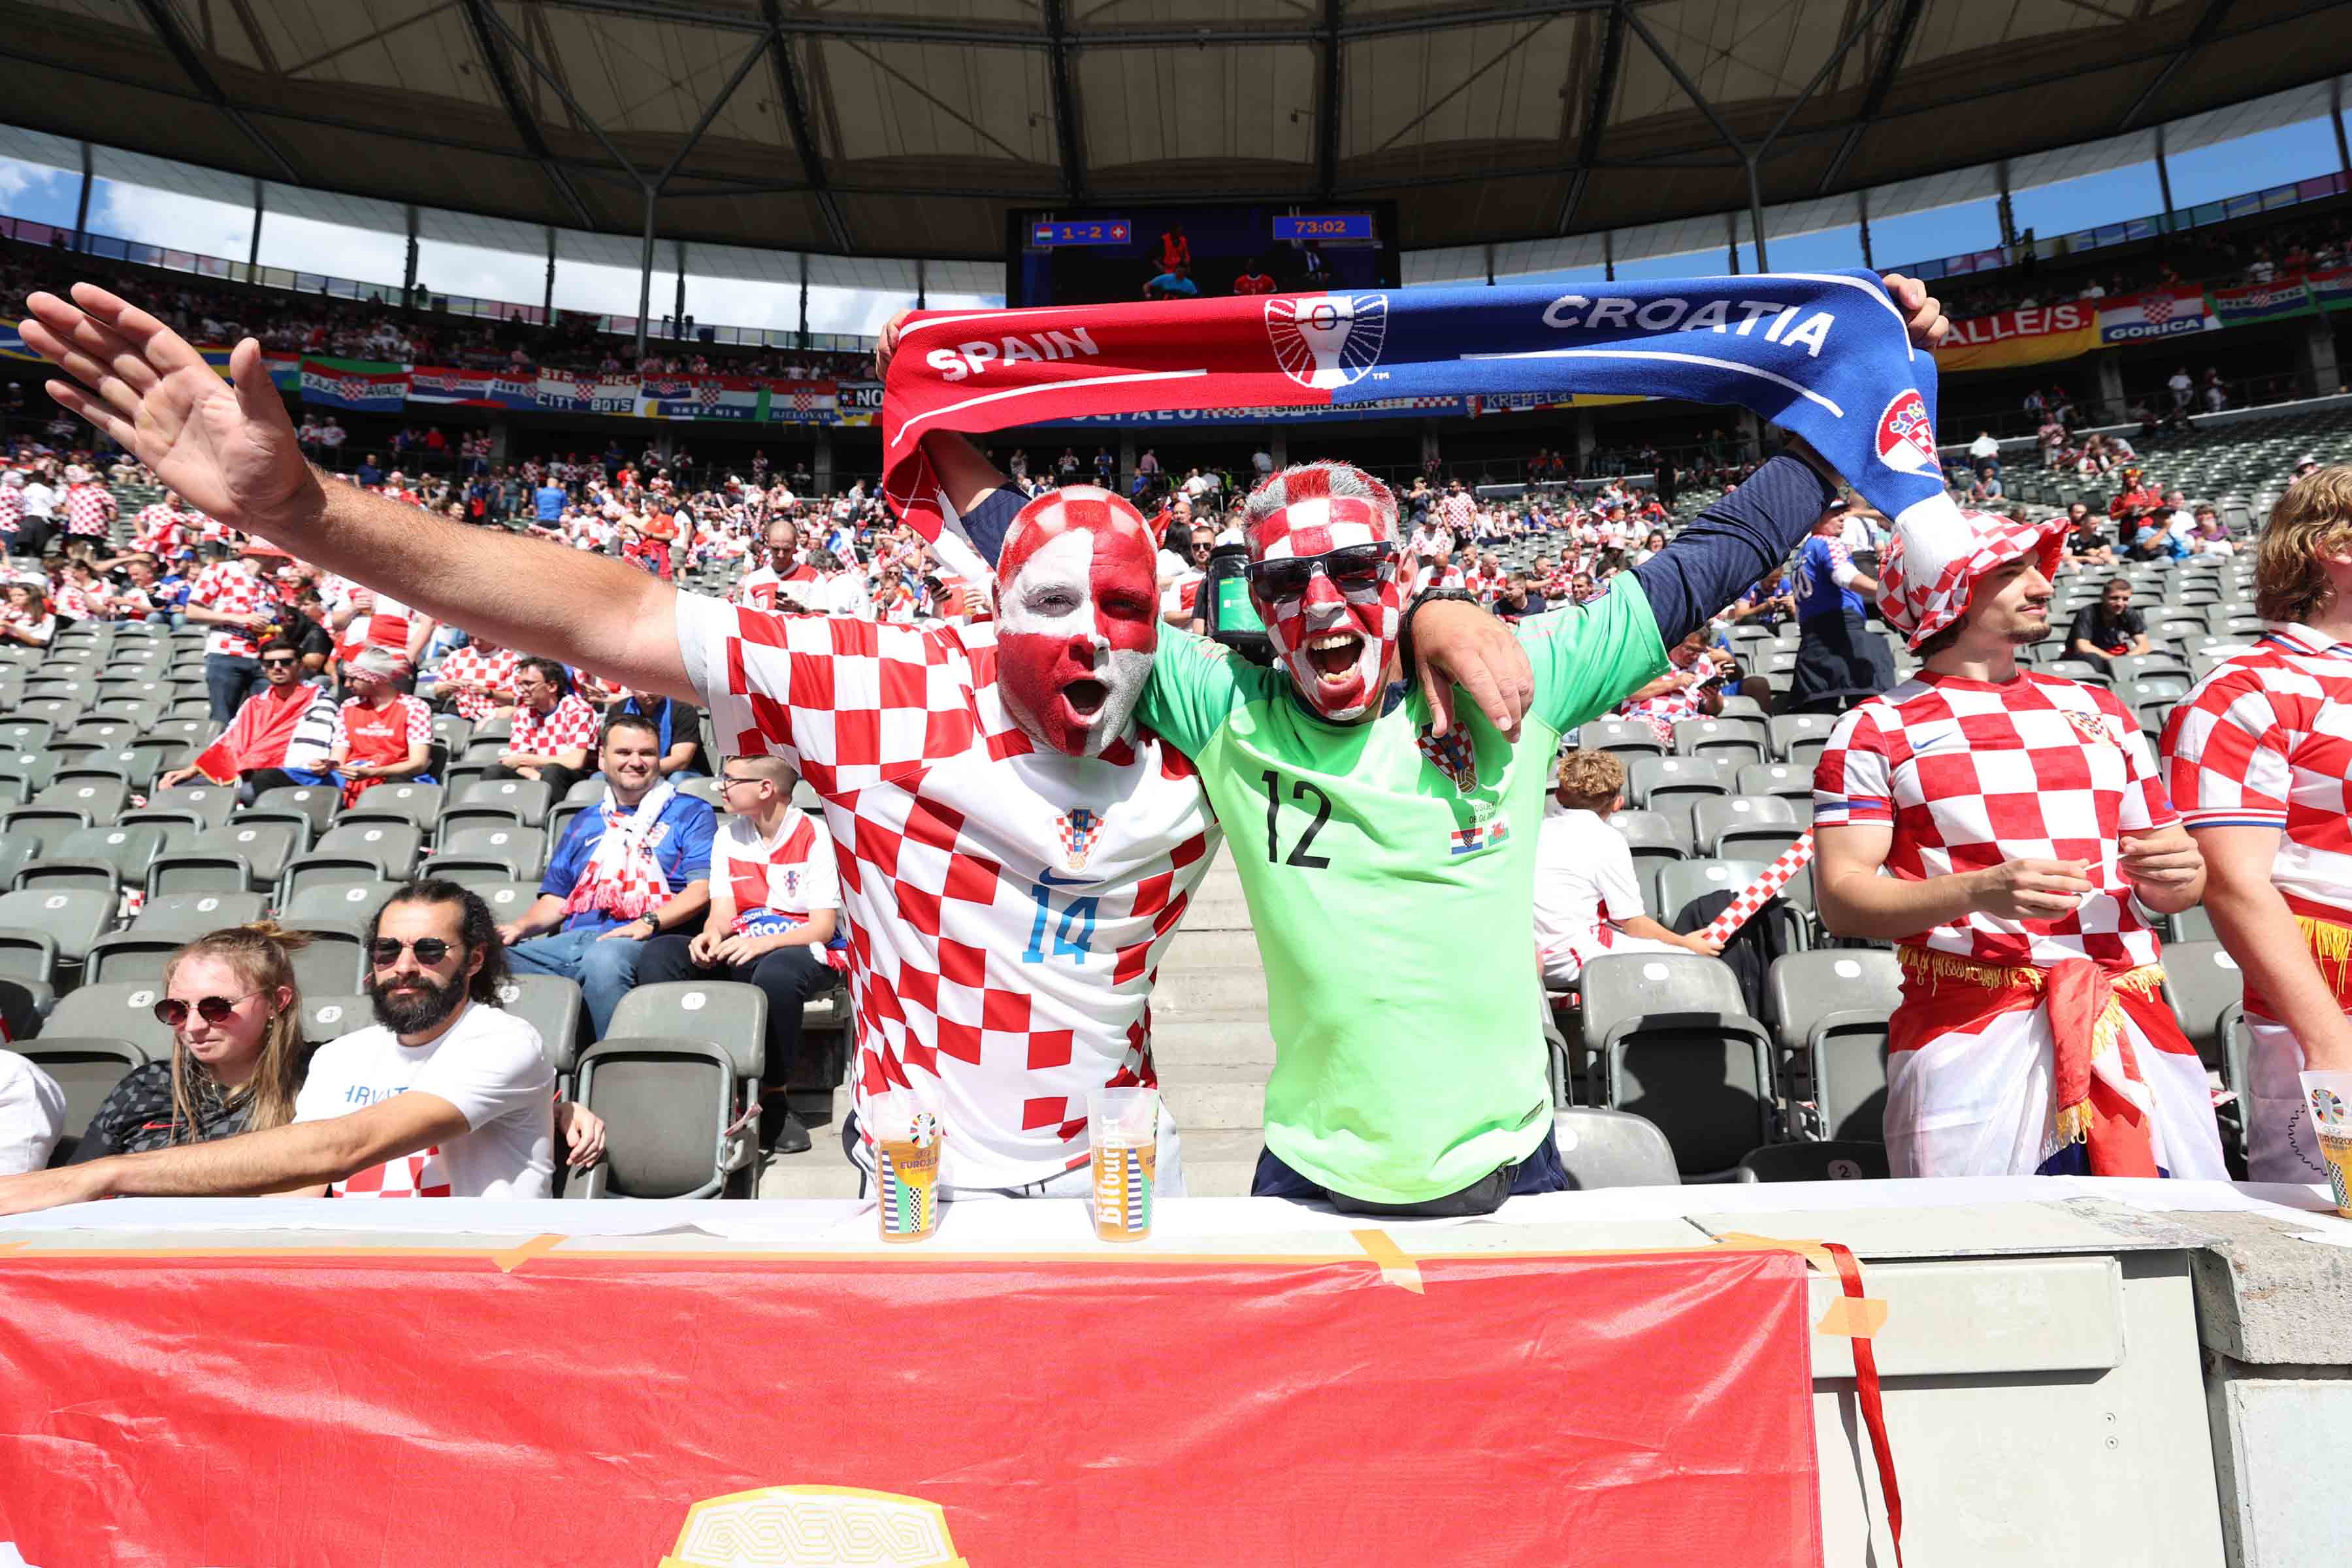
(349, 1408)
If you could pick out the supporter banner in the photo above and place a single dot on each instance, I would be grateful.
(2262, 303)
(361, 385)
(2331, 290)
(2155, 313)
(803, 403)
(11, 344)
(472, 388)
(1277, 413)
(581, 392)
(285, 370)
(703, 397)
(2022, 337)
(714, 1411)
(858, 403)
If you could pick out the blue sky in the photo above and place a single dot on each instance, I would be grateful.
(189, 223)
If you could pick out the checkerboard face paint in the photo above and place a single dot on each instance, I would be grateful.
(1077, 618)
(1335, 632)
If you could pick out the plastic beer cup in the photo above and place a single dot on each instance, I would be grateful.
(1123, 1145)
(907, 1138)
(2328, 1097)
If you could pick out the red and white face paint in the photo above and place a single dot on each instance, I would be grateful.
(1336, 644)
(1077, 618)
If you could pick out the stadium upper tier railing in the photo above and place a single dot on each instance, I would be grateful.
(2131, 230)
(288, 280)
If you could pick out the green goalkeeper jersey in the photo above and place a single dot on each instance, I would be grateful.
(1390, 878)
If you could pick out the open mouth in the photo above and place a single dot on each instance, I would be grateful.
(1086, 699)
(1333, 655)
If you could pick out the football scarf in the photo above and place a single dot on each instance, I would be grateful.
(1822, 354)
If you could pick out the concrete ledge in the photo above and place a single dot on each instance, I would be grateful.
(2264, 1298)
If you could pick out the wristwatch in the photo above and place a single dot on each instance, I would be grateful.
(1404, 626)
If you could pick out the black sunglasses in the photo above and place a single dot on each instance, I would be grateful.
(278, 663)
(1357, 567)
(429, 950)
(214, 1010)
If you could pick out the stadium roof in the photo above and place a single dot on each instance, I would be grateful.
(906, 128)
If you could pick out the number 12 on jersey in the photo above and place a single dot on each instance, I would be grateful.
(1074, 931)
(1300, 791)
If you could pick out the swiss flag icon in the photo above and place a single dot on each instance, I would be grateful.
(1119, 231)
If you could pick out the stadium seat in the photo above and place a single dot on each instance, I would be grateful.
(73, 917)
(193, 914)
(2202, 981)
(18, 735)
(417, 805)
(1677, 1047)
(212, 802)
(1600, 1148)
(335, 963)
(31, 770)
(326, 1018)
(476, 871)
(1755, 827)
(351, 899)
(1651, 779)
(1842, 1162)
(86, 1068)
(106, 858)
(1783, 781)
(391, 845)
(242, 855)
(314, 803)
(551, 1005)
(1739, 740)
(2191, 924)
(1828, 1018)
(115, 1011)
(524, 848)
(681, 1118)
(527, 799)
(96, 797)
(127, 955)
(507, 900)
(702, 789)
(1679, 885)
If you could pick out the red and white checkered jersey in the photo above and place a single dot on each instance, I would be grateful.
(1971, 773)
(159, 529)
(1661, 713)
(76, 603)
(89, 509)
(228, 588)
(570, 724)
(758, 588)
(12, 508)
(416, 728)
(1008, 907)
(474, 668)
(2265, 741)
(1458, 512)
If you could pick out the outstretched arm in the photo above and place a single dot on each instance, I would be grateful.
(229, 448)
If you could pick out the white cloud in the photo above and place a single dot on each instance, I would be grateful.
(170, 218)
(17, 177)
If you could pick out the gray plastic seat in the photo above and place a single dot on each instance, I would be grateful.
(122, 1010)
(212, 802)
(1828, 1018)
(193, 914)
(391, 845)
(727, 1014)
(1602, 1148)
(1740, 739)
(85, 1067)
(1626, 737)
(335, 961)
(96, 796)
(316, 802)
(524, 848)
(1649, 780)
(1677, 1047)
(681, 1119)
(553, 1006)
(1837, 1162)
(527, 799)
(237, 856)
(73, 917)
(507, 900)
(130, 956)
(417, 805)
(327, 1017)
(2202, 981)
(355, 899)
(1755, 827)
(105, 858)
(1679, 885)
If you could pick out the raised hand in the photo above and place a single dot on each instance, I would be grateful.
(226, 447)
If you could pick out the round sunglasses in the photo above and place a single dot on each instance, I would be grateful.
(429, 950)
(171, 1013)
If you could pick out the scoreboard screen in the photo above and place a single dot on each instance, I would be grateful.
(1094, 255)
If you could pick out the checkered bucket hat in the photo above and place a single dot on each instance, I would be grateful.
(1923, 588)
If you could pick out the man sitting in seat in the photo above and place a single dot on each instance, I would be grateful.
(284, 734)
(627, 870)
(1588, 901)
(32, 1115)
(554, 729)
(446, 1096)
(380, 732)
(774, 902)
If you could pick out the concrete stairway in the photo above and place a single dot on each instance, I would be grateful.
(1207, 1035)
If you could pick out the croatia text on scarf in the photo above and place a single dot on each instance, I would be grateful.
(1823, 354)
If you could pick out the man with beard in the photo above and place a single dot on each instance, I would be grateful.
(446, 1096)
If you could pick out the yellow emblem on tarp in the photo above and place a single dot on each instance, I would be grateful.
(814, 1527)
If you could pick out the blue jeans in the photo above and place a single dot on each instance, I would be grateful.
(1540, 1172)
(230, 679)
(605, 970)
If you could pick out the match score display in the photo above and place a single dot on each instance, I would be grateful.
(1098, 255)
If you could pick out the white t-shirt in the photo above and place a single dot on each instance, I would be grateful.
(41, 500)
(793, 873)
(488, 1064)
(32, 1115)
(1584, 875)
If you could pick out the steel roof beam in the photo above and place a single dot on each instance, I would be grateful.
(1066, 103)
(1327, 112)
(888, 28)
(796, 121)
(1596, 117)
(526, 125)
(166, 28)
(1882, 82)
(2199, 36)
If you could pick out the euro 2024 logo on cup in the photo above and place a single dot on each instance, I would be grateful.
(1328, 340)
(1906, 436)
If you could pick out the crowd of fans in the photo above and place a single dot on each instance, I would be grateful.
(2205, 257)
